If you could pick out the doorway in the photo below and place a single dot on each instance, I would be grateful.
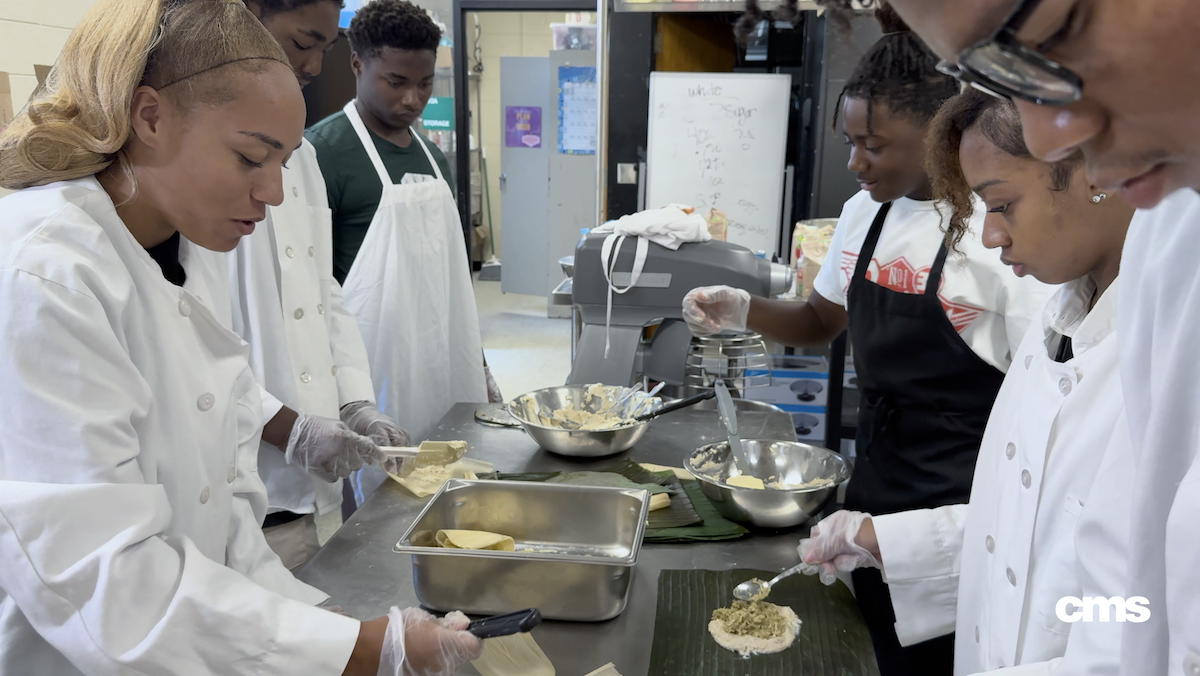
(505, 104)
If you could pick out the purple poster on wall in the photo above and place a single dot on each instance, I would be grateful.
(522, 127)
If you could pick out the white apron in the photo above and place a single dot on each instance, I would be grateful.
(410, 287)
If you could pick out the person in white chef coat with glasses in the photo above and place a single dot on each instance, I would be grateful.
(1048, 517)
(130, 502)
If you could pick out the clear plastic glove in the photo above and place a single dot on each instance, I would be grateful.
(327, 448)
(363, 418)
(494, 396)
(830, 548)
(713, 309)
(417, 644)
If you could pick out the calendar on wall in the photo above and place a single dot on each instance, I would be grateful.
(577, 110)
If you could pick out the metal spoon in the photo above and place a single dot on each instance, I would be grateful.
(649, 398)
(625, 396)
(757, 590)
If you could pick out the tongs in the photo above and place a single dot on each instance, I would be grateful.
(520, 622)
(675, 406)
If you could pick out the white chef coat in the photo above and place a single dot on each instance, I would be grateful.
(305, 347)
(1048, 515)
(129, 497)
(989, 306)
(1160, 369)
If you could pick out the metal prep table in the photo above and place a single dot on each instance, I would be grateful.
(362, 574)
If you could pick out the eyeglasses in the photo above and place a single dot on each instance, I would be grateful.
(1002, 66)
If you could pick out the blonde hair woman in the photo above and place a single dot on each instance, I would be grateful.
(130, 502)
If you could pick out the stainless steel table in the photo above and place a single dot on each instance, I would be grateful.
(358, 568)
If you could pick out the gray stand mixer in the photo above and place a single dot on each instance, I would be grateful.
(647, 334)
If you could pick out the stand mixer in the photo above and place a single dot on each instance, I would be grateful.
(647, 334)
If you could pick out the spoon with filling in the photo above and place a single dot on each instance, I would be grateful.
(757, 590)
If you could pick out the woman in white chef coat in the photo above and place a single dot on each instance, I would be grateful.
(129, 498)
(933, 330)
(1049, 511)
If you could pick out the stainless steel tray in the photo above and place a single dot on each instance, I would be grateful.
(576, 549)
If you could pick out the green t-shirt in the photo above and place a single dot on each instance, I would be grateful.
(353, 185)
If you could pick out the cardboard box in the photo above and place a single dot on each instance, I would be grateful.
(796, 380)
(809, 422)
(42, 72)
(445, 58)
(6, 102)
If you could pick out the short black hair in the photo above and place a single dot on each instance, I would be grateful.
(899, 71)
(398, 24)
(269, 8)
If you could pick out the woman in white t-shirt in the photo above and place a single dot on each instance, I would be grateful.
(933, 331)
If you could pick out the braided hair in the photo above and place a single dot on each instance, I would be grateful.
(899, 72)
(269, 8)
(398, 24)
(998, 121)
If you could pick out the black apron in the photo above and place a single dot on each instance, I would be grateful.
(926, 397)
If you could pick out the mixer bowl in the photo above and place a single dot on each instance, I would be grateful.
(790, 462)
(575, 443)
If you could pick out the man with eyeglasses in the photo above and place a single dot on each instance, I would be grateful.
(1119, 80)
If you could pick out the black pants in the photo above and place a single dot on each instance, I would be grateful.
(934, 657)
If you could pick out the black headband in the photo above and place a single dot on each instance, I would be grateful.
(219, 65)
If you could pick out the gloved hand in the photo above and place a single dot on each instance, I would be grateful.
(830, 547)
(713, 309)
(327, 448)
(494, 396)
(363, 418)
(417, 644)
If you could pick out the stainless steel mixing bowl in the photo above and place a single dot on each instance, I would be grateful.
(577, 443)
(788, 462)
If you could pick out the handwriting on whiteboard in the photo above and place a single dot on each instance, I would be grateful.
(717, 141)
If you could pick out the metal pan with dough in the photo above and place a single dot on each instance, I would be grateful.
(575, 548)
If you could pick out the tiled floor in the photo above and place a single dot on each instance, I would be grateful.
(525, 349)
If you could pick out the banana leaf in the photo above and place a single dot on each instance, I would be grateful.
(833, 639)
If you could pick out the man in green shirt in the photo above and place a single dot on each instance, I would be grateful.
(398, 247)
(395, 51)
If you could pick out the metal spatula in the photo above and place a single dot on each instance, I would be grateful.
(728, 413)
(429, 453)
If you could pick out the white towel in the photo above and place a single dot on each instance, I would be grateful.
(668, 227)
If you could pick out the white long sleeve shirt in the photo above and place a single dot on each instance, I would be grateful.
(1160, 368)
(1047, 517)
(130, 500)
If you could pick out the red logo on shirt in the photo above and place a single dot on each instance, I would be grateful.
(960, 314)
(899, 275)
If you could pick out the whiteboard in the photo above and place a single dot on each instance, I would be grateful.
(718, 140)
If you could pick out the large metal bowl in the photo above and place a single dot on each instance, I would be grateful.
(575, 443)
(790, 462)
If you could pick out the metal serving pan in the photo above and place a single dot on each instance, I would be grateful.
(576, 548)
